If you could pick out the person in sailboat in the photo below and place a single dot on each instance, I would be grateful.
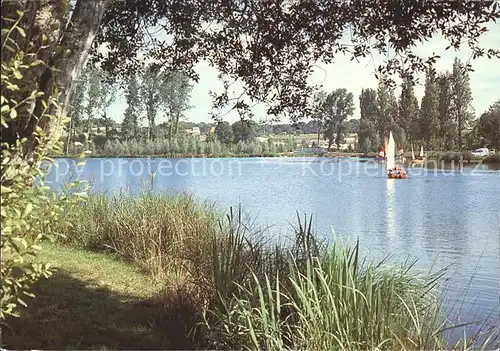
(398, 172)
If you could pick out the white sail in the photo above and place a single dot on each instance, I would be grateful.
(391, 153)
(421, 151)
(412, 154)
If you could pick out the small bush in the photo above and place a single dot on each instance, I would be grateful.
(495, 158)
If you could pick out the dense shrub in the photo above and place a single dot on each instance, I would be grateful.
(494, 158)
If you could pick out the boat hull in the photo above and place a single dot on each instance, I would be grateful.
(397, 174)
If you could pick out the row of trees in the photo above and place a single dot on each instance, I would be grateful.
(183, 146)
(151, 94)
(444, 120)
(439, 122)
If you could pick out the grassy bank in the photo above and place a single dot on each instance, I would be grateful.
(93, 301)
(215, 282)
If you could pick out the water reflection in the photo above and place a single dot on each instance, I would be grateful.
(391, 207)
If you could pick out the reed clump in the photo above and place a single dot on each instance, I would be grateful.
(234, 288)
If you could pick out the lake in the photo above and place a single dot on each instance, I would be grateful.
(442, 217)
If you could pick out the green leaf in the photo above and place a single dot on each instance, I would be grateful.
(21, 31)
(28, 209)
(13, 113)
(22, 302)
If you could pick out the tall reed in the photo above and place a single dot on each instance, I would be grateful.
(239, 290)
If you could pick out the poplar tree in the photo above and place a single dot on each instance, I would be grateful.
(461, 99)
(387, 112)
(408, 109)
(367, 135)
(429, 110)
(448, 126)
(130, 124)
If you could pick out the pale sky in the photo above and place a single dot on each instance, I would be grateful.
(353, 75)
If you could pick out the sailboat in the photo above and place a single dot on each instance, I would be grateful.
(393, 172)
(381, 154)
(390, 154)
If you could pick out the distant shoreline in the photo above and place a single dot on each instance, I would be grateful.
(446, 157)
(281, 155)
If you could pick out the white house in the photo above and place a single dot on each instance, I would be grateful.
(194, 132)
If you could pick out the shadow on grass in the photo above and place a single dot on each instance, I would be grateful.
(67, 313)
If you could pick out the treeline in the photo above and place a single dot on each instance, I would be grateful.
(309, 127)
(192, 146)
(444, 119)
(264, 128)
(151, 94)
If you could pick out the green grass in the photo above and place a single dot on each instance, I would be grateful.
(159, 233)
(93, 301)
(321, 298)
(161, 272)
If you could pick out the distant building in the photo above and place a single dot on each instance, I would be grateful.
(350, 140)
(102, 130)
(195, 131)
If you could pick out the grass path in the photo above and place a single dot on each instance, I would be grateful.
(93, 301)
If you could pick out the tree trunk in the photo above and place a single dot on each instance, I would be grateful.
(75, 45)
(176, 125)
(70, 131)
(106, 124)
(330, 142)
(459, 133)
(151, 128)
(39, 17)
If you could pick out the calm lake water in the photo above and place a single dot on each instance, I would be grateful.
(447, 217)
